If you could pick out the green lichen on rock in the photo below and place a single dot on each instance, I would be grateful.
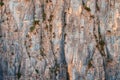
(54, 69)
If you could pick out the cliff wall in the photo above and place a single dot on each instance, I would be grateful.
(60, 39)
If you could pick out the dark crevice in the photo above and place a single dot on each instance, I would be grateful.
(63, 64)
(89, 58)
(100, 42)
(1, 3)
(1, 72)
(109, 56)
(102, 47)
(97, 7)
(55, 69)
(105, 68)
(1, 20)
(19, 73)
(43, 13)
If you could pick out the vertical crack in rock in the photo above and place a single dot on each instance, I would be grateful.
(3, 61)
(101, 45)
(89, 59)
(39, 39)
(64, 75)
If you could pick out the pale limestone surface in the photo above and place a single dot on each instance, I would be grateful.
(60, 40)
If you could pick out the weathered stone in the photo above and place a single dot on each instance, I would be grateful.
(60, 39)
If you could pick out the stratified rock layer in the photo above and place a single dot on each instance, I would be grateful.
(60, 39)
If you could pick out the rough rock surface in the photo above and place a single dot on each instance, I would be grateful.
(60, 39)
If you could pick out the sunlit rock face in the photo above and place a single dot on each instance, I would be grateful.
(60, 39)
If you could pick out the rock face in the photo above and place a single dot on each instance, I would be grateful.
(60, 40)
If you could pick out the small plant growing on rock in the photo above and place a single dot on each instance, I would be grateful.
(46, 27)
(86, 8)
(54, 69)
(12, 53)
(42, 52)
(65, 35)
(0, 36)
(92, 16)
(46, 1)
(32, 28)
(50, 27)
(36, 22)
(1, 3)
(90, 65)
(109, 60)
(50, 19)
(102, 42)
(18, 75)
(44, 16)
(54, 35)
(27, 35)
(16, 30)
(97, 7)
(36, 70)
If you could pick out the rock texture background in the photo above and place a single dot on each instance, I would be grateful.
(60, 39)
